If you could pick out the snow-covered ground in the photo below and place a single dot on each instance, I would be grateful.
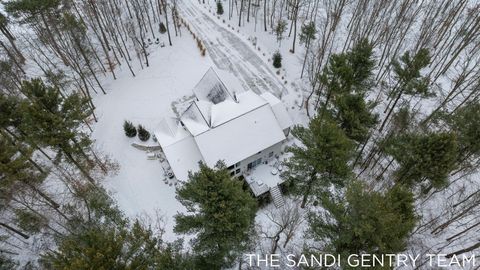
(144, 99)
(157, 90)
(231, 49)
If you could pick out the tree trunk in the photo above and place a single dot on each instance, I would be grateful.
(391, 110)
(465, 250)
(295, 27)
(305, 59)
(166, 21)
(25, 236)
(80, 167)
(307, 191)
(240, 15)
(265, 14)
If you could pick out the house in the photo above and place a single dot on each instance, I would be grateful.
(242, 128)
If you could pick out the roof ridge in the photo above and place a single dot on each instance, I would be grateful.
(233, 118)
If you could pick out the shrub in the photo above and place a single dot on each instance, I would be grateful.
(277, 60)
(143, 134)
(129, 128)
(219, 8)
(28, 221)
(162, 28)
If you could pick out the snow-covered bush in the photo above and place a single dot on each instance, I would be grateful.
(129, 128)
(162, 29)
(277, 60)
(219, 8)
(143, 134)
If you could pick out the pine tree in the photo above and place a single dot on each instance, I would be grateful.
(307, 34)
(363, 221)
(129, 128)
(10, 116)
(143, 134)
(277, 60)
(21, 175)
(280, 29)
(100, 237)
(29, 221)
(362, 62)
(219, 8)
(430, 156)
(17, 168)
(407, 72)
(348, 73)
(465, 122)
(107, 247)
(220, 214)
(346, 79)
(355, 116)
(51, 120)
(409, 79)
(162, 28)
(321, 159)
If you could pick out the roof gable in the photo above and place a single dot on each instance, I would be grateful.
(211, 88)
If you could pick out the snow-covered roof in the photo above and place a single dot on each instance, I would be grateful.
(241, 137)
(179, 147)
(220, 125)
(211, 88)
(202, 115)
(283, 118)
(227, 110)
(194, 120)
(183, 156)
(170, 131)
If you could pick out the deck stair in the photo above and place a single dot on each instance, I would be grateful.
(277, 196)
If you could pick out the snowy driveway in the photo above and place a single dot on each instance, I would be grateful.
(229, 52)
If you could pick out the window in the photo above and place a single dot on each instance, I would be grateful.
(232, 173)
(231, 167)
(237, 171)
(254, 163)
(237, 165)
(271, 154)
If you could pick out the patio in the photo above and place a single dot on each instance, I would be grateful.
(264, 176)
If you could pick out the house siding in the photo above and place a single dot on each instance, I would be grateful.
(264, 155)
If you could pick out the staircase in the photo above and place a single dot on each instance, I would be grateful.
(277, 196)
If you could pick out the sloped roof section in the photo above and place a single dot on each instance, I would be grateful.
(170, 131)
(281, 113)
(205, 109)
(228, 110)
(168, 125)
(239, 138)
(183, 156)
(194, 120)
(211, 88)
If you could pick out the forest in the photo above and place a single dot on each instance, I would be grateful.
(386, 144)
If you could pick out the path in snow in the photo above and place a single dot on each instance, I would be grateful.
(231, 53)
